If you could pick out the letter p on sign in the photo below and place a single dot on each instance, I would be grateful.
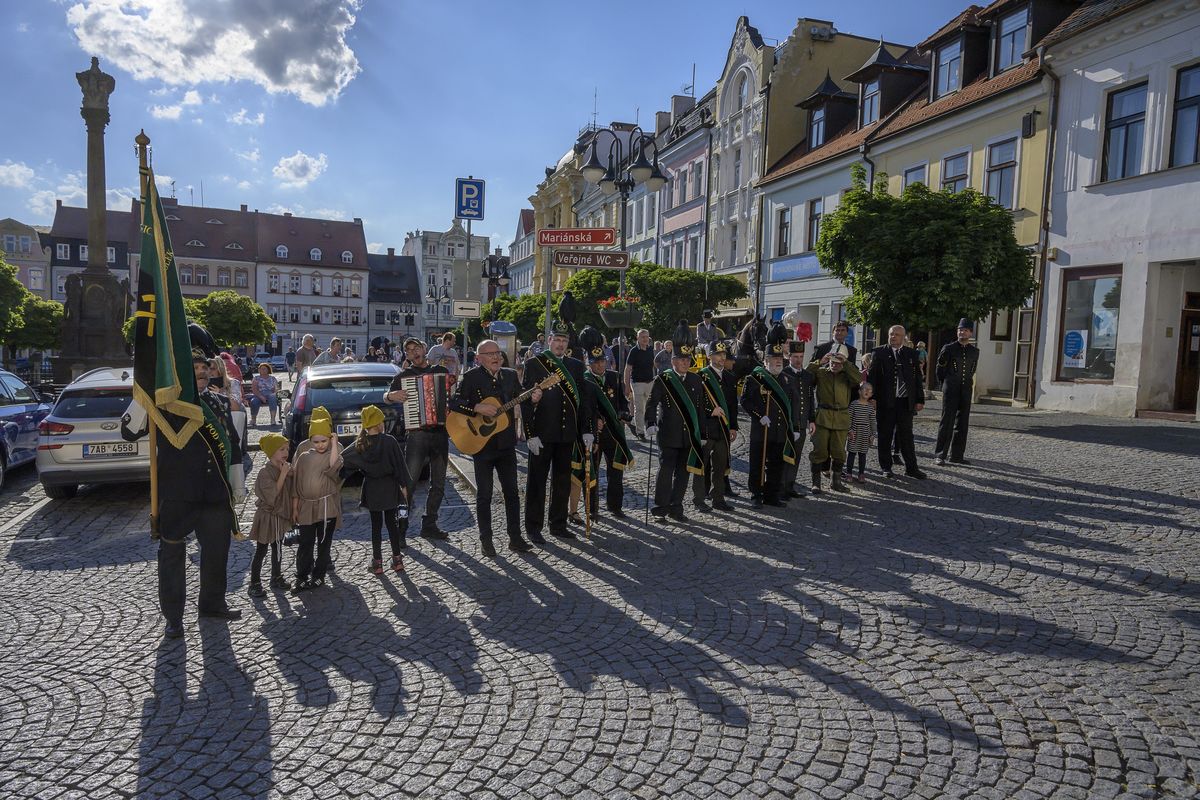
(468, 198)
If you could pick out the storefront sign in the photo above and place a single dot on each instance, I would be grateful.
(802, 266)
(1075, 349)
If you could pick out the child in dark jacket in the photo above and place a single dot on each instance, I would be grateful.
(378, 457)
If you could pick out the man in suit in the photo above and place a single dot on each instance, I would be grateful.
(840, 331)
(676, 402)
(773, 403)
(896, 376)
(558, 421)
(956, 364)
(807, 413)
(611, 414)
(720, 389)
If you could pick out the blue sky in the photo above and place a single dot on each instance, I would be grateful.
(368, 109)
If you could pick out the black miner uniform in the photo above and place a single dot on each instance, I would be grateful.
(807, 413)
(715, 481)
(766, 468)
(674, 440)
(615, 492)
(956, 365)
(498, 455)
(558, 424)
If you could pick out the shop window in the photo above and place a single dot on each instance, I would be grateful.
(1087, 338)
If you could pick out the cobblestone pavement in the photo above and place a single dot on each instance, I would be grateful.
(1028, 626)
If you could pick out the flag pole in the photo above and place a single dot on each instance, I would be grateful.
(143, 142)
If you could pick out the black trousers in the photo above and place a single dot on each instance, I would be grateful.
(714, 479)
(768, 489)
(260, 555)
(788, 479)
(213, 525)
(318, 536)
(898, 423)
(956, 418)
(422, 448)
(614, 492)
(396, 528)
(502, 462)
(671, 484)
(553, 462)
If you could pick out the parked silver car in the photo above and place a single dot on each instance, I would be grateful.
(82, 440)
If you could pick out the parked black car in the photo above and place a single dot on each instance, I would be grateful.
(345, 390)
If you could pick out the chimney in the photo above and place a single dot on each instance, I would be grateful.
(243, 207)
(358, 220)
(662, 121)
(499, 252)
(287, 213)
(391, 253)
(680, 105)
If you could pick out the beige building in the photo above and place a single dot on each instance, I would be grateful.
(22, 248)
(435, 253)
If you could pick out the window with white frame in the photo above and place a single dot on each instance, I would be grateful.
(110, 253)
(241, 279)
(355, 287)
(347, 257)
(294, 315)
(1185, 133)
(683, 185)
(337, 316)
(694, 253)
(223, 277)
(316, 284)
(355, 316)
(783, 234)
(63, 252)
(914, 175)
(1002, 172)
(651, 211)
(949, 68)
(60, 285)
(816, 207)
(185, 276)
(733, 244)
(379, 316)
(295, 283)
(697, 174)
(37, 280)
(737, 167)
(281, 251)
(1010, 39)
(954, 173)
(83, 253)
(314, 254)
(273, 282)
(870, 102)
(816, 128)
(202, 276)
(337, 287)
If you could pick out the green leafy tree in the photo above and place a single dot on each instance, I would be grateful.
(41, 327)
(589, 287)
(234, 319)
(669, 295)
(923, 259)
(12, 300)
(526, 312)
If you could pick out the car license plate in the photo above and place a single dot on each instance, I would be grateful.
(110, 449)
(351, 429)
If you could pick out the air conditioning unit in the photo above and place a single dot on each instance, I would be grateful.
(821, 33)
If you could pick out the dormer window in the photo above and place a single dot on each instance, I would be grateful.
(213, 221)
(314, 254)
(816, 128)
(949, 68)
(173, 217)
(870, 102)
(234, 246)
(195, 243)
(281, 251)
(1010, 39)
(347, 257)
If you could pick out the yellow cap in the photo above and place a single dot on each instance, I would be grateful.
(271, 442)
(371, 416)
(320, 424)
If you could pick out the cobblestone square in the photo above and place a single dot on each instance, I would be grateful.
(1027, 626)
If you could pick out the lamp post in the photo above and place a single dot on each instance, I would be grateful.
(436, 297)
(627, 166)
(496, 273)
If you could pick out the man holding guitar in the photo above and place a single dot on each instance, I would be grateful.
(483, 393)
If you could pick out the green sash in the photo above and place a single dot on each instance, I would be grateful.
(691, 421)
(623, 457)
(767, 379)
(713, 385)
(553, 365)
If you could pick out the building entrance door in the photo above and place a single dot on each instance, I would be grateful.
(1187, 375)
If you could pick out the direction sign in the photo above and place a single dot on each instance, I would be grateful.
(591, 259)
(556, 237)
(468, 198)
(465, 308)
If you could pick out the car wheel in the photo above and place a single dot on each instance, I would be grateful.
(64, 492)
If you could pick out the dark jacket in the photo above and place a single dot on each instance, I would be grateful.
(712, 425)
(411, 372)
(956, 367)
(820, 350)
(882, 376)
(755, 395)
(191, 474)
(477, 385)
(382, 464)
(662, 412)
(804, 388)
(555, 419)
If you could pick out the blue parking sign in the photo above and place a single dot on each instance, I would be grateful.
(468, 198)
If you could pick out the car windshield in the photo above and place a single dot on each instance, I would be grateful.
(93, 403)
(339, 394)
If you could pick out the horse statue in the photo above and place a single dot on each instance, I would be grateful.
(751, 341)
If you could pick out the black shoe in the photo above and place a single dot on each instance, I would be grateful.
(678, 516)
(174, 630)
(434, 533)
(256, 590)
(723, 506)
(658, 511)
(563, 534)
(756, 501)
(573, 519)
(915, 473)
(537, 539)
(775, 501)
(729, 492)
(702, 506)
(316, 583)
(488, 549)
(518, 546)
(403, 543)
(227, 614)
(616, 512)
(960, 461)
(302, 585)
(280, 582)
(941, 462)
(887, 473)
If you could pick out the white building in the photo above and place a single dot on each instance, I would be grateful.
(520, 255)
(435, 253)
(1120, 313)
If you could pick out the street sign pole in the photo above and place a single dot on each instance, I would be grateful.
(548, 277)
(468, 205)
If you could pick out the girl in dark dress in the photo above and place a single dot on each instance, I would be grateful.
(378, 457)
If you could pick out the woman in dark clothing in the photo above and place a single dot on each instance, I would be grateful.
(378, 457)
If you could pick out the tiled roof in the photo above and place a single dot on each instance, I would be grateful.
(969, 16)
(393, 279)
(525, 223)
(883, 61)
(827, 90)
(71, 222)
(1089, 15)
(227, 234)
(915, 111)
(301, 234)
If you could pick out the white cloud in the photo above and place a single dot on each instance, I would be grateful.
(70, 190)
(191, 98)
(300, 169)
(243, 117)
(15, 174)
(286, 46)
(161, 91)
(278, 209)
(329, 213)
(198, 120)
(375, 247)
(244, 185)
(163, 181)
(166, 112)
(23, 27)
(250, 155)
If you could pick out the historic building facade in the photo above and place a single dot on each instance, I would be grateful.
(23, 249)
(435, 253)
(521, 254)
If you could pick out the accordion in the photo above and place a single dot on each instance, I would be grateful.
(428, 400)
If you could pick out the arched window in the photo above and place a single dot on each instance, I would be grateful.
(743, 92)
(314, 254)
(347, 257)
(222, 277)
(281, 251)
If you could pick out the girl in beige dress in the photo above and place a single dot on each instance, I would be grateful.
(273, 517)
(316, 499)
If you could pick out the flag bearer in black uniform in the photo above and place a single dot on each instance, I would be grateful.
(720, 390)
(557, 423)
(773, 404)
(678, 427)
(956, 365)
(807, 412)
(611, 414)
(489, 379)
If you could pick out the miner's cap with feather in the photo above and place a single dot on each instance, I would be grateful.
(682, 341)
(203, 346)
(591, 341)
(777, 340)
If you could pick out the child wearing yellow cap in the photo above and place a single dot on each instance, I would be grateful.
(317, 499)
(378, 456)
(273, 516)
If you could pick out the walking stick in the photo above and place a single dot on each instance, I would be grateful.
(587, 493)
(762, 472)
(649, 458)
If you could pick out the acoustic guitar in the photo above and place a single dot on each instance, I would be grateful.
(471, 432)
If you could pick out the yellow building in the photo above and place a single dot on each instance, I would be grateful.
(554, 207)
